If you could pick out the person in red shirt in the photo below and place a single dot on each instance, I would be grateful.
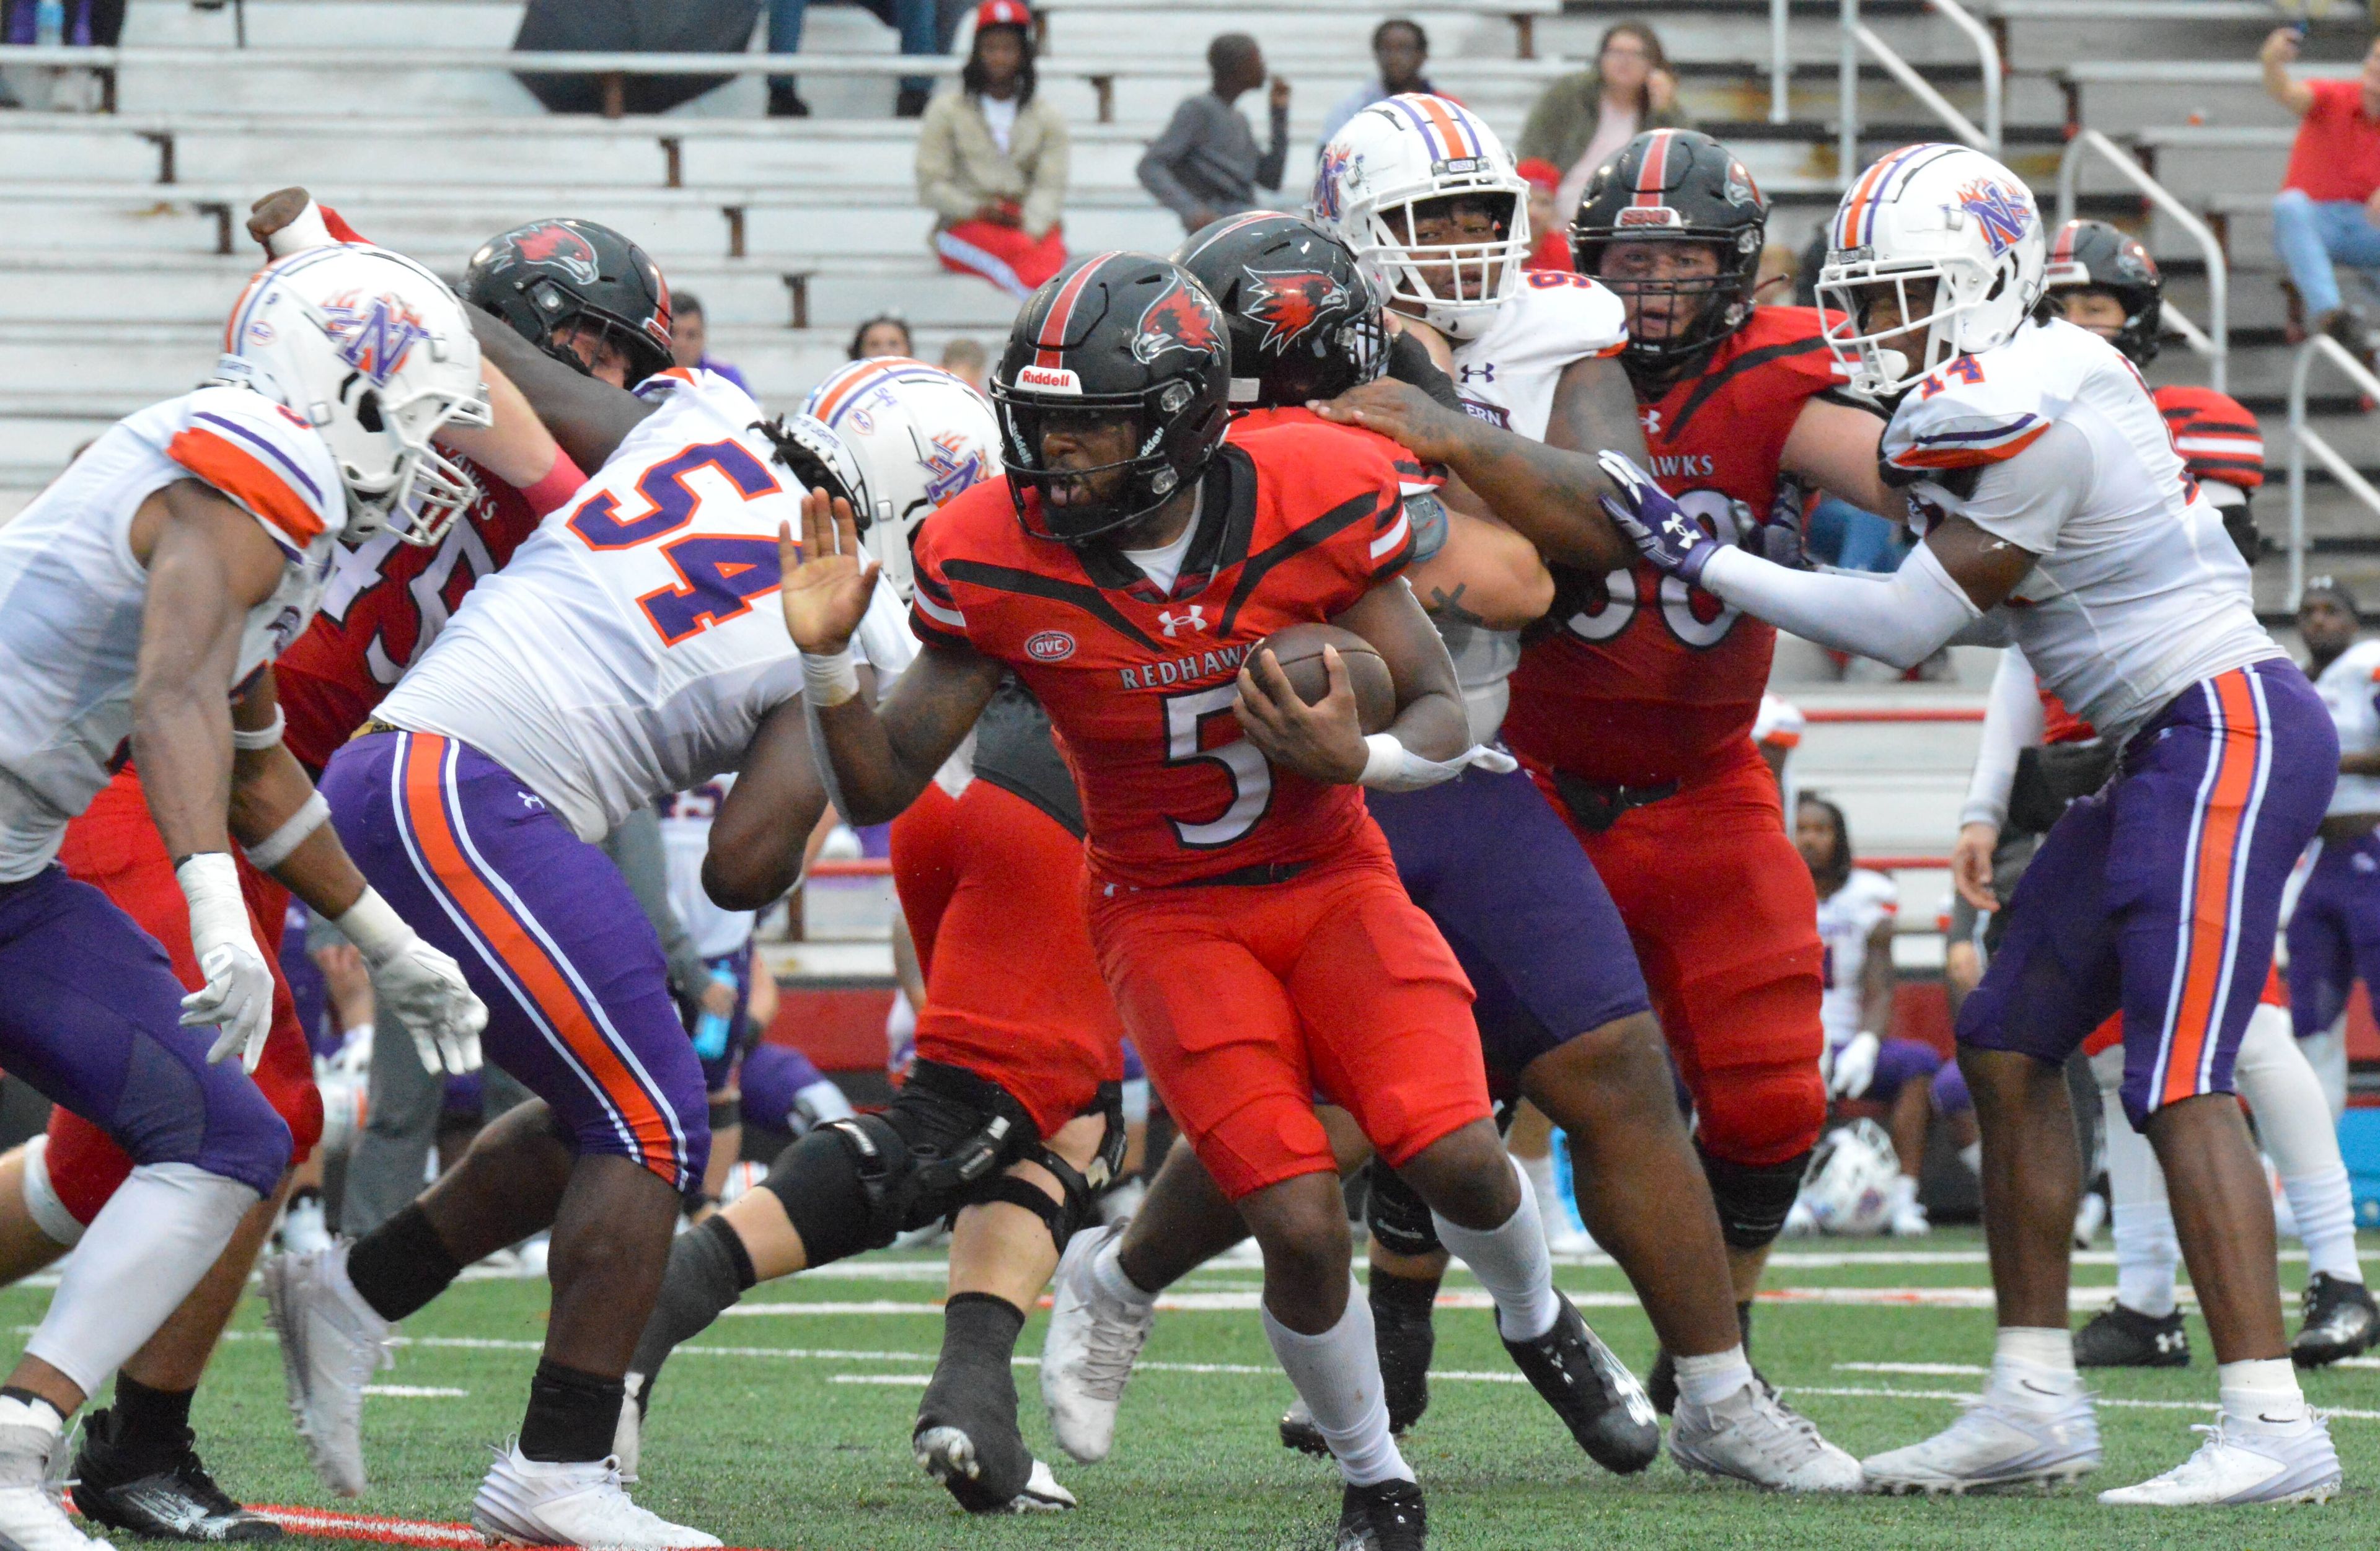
(2328, 209)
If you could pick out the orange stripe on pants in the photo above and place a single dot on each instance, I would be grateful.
(531, 966)
(2219, 838)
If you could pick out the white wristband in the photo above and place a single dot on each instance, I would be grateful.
(210, 881)
(275, 848)
(830, 681)
(376, 929)
(1384, 756)
(262, 737)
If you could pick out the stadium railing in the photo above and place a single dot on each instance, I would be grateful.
(1858, 36)
(2214, 341)
(2304, 439)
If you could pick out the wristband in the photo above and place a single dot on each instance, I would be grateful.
(557, 485)
(830, 681)
(1384, 756)
(210, 884)
(261, 737)
(274, 848)
(378, 932)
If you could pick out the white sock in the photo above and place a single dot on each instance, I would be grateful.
(2034, 1365)
(1338, 1375)
(1708, 1379)
(2263, 1391)
(1972, 1154)
(35, 1413)
(144, 1252)
(2147, 1256)
(1512, 1264)
(1539, 1172)
(2323, 1205)
(1107, 1270)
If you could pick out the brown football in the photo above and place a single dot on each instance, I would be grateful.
(1298, 649)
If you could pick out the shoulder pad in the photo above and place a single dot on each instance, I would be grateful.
(1571, 314)
(1970, 413)
(264, 457)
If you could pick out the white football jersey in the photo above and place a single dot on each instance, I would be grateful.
(1845, 919)
(1778, 726)
(1506, 377)
(632, 645)
(71, 595)
(2138, 593)
(685, 837)
(2350, 688)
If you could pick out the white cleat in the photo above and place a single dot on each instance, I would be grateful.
(1753, 1435)
(2251, 1462)
(32, 1506)
(1092, 1344)
(331, 1343)
(529, 1502)
(1994, 1445)
(1907, 1217)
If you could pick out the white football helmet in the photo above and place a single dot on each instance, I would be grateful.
(917, 436)
(1397, 155)
(1848, 1187)
(374, 351)
(1940, 213)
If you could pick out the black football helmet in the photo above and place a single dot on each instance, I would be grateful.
(542, 277)
(1127, 335)
(2095, 256)
(1304, 322)
(1676, 185)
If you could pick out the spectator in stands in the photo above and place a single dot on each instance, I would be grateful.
(690, 339)
(991, 161)
(1584, 120)
(913, 19)
(887, 333)
(1401, 51)
(1206, 165)
(965, 359)
(1549, 223)
(2328, 209)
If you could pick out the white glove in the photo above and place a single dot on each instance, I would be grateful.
(352, 1061)
(1854, 1066)
(237, 996)
(417, 987)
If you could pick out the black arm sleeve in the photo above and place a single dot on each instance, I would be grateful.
(1408, 362)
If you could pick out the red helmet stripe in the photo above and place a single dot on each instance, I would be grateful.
(1052, 344)
(1653, 173)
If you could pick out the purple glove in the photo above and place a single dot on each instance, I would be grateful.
(1673, 541)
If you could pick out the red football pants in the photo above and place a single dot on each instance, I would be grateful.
(1003, 255)
(116, 849)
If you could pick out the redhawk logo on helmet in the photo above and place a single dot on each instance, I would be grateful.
(1175, 321)
(555, 244)
(1288, 301)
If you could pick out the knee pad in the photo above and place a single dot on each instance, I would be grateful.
(842, 1186)
(49, 1215)
(1397, 1216)
(1753, 1198)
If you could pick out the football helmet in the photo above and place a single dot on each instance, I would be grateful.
(2095, 255)
(915, 436)
(1127, 334)
(1675, 186)
(1412, 150)
(1943, 219)
(374, 352)
(1848, 1187)
(1303, 320)
(544, 277)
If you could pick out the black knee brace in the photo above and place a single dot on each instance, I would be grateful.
(1397, 1217)
(842, 1186)
(726, 1112)
(1753, 1199)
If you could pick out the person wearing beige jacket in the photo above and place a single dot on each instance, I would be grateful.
(991, 161)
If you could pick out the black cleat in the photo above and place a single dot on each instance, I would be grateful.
(157, 1498)
(1385, 1517)
(2121, 1338)
(1593, 1393)
(2340, 1320)
(1661, 1384)
(968, 1439)
(1407, 1338)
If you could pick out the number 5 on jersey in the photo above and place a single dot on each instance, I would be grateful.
(719, 575)
(1185, 715)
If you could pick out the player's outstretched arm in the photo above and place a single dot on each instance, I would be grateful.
(760, 837)
(590, 418)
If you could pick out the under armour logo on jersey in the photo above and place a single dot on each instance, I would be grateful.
(1651, 416)
(1485, 371)
(531, 800)
(1175, 623)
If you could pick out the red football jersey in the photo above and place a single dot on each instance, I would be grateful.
(2216, 435)
(382, 607)
(1643, 679)
(1299, 521)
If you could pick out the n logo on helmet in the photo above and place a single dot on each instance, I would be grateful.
(952, 466)
(2000, 212)
(372, 336)
(1336, 159)
(554, 243)
(1175, 321)
(1288, 301)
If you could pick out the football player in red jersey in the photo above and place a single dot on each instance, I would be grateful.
(1241, 900)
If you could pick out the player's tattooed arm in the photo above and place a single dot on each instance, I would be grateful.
(1485, 575)
(588, 417)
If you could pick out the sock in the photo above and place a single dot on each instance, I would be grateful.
(1416, 1296)
(708, 1271)
(150, 1423)
(2323, 1205)
(979, 1334)
(2035, 1366)
(1539, 1172)
(2265, 1389)
(1108, 1273)
(572, 1415)
(399, 1266)
(22, 1408)
(1338, 1375)
(2147, 1256)
(1712, 1377)
(2293, 1118)
(1512, 1264)
(1972, 1154)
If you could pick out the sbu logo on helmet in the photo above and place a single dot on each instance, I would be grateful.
(1049, 646)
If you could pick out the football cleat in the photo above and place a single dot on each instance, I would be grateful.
(531, 1502)
(1407, 1339)
(950, 1455)
(331, 1341)
(1593, 1393)
(2245, 1462)
(32, 1493)
(1753, 1435)
(2117, 1337)
(169, 1497)
(2340, 1320)
(1387, 1516)
(1087, 1356)
(1994, 1444)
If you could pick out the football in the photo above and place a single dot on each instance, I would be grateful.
(1298, 649)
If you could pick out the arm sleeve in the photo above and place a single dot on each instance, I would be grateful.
(1045, 196)
(1276, 156)
(1408, 362)
(1156, 169)
(938, 165)
(1901, 619)
(2012, 723)
(636, 849)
